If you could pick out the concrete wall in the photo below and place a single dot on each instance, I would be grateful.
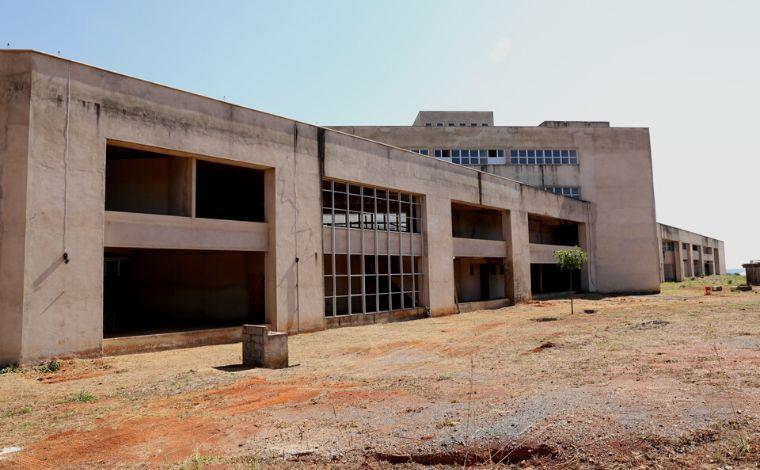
(61, 115)
(680, 237)
(15, 93)
(614, 173)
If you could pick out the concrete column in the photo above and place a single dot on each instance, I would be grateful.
(701, 260)
(587, 283)
(270, 259)
(678, 261)
(14, 116)
(690, 261)
(439, 256)
(518, 255)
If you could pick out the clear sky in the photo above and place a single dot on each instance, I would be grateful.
(689, 70)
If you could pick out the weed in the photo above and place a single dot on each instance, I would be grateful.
(50, 366)
(81, 397)
(21, 411)
(742, 445)
(446, 423)
(197, 462)
(10, 369)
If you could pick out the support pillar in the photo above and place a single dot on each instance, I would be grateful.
(515, 226)
(439, 257)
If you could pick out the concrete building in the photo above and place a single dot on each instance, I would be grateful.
(137, 216)
(686, 254)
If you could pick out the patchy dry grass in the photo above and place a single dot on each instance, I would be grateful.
(666, 380)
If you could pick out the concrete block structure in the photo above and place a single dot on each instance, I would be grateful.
(264, 348)
(686, 254)
(132, 213)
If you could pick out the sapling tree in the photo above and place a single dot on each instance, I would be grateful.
(570, 260)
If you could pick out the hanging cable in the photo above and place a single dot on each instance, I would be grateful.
(66, 165)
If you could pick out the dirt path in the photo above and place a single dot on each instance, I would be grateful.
(671, 380)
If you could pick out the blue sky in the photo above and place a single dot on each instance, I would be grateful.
(688, 70)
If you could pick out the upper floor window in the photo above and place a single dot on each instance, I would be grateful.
(543, 157)
(420, 151)
(428, 124)
(359, 207)
(569, 191)
(472, 156)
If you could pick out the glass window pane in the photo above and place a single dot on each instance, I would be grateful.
(341, 306)
(356, 304)
(327, 263)
(328, 286)
(329, 307)
(340, 264)
(341, 285)
(356, 285)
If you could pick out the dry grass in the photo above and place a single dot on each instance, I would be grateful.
(667, 380)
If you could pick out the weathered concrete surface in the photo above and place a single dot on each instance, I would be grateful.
(164, 341)
(264, 348)
(614, 173)
(683, 258)
(15, 94)
(60, 116)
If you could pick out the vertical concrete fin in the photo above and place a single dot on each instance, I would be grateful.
(321, 151)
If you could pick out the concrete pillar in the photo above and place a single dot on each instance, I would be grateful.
(690, 262)
(518, 255)
(701, 260)
(678, 260)
(439, 256)
(14, 116)
(587, 276)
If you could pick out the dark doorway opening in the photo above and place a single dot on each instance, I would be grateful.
(229, 192)
(149, 291)
(548, 279)
(479, 279)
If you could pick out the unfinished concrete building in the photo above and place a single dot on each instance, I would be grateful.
(136, 216)
(610, 167)
(687, 254)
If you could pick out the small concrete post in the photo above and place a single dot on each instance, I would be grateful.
(264, 348)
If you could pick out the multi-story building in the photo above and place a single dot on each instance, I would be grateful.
(137, 216)
(610, 167)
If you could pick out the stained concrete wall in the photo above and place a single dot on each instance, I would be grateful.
(54, 193)
(614, 173)
(691, 239)
(15, 93)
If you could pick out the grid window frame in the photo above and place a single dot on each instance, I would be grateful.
(363, 281)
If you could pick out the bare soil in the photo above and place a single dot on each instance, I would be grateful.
(669, 380)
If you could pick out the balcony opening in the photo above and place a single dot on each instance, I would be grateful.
(476, 222)
(229, 192)
(147, 182)
(551, 231)
(479, 279)
(148, 291)
(548, 279)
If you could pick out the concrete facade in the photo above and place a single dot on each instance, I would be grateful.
(686, 254)
(134, 215)
(612, 171)
(58, 242)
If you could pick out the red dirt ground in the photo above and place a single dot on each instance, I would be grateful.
(654, 381)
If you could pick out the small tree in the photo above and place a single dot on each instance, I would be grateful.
(570, 260)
